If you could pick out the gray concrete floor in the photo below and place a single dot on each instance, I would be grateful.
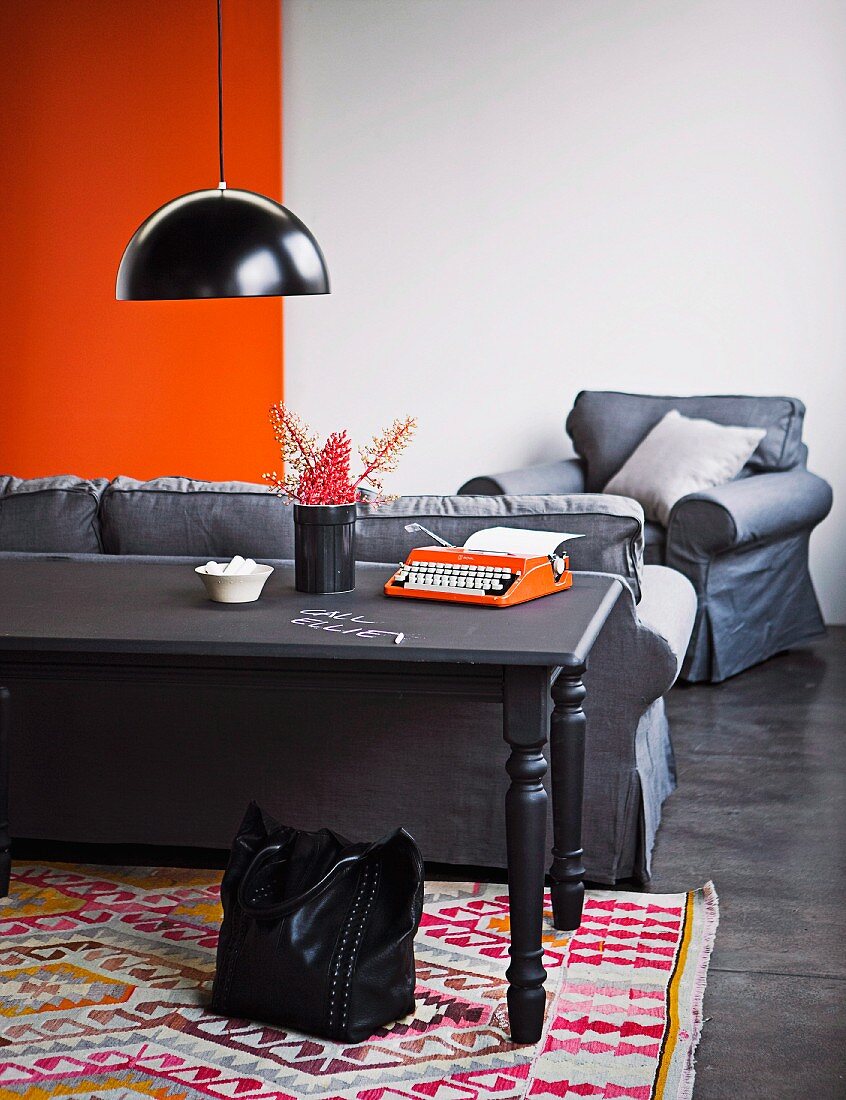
(761, 810)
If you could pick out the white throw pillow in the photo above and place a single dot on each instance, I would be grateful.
(682, 455)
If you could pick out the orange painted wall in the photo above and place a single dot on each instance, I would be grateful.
(107, 110)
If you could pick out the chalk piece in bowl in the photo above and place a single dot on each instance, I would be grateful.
(234, 587)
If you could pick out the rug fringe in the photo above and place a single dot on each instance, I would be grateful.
(711, 907)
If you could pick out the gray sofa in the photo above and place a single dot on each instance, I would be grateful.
(122, 780)
(743, 545)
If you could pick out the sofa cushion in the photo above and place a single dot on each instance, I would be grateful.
(177, 516)
(51, 515)
(606, 427)
(613, 527)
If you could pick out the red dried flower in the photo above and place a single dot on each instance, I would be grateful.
(322, 475)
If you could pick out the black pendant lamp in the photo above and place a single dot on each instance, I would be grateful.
(221, 243)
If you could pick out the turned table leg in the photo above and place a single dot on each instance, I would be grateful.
(526, 697)
(5, 839)
(567, 753)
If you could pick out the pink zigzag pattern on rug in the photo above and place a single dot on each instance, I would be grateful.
(73, 938)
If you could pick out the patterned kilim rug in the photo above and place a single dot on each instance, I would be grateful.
(105, 972)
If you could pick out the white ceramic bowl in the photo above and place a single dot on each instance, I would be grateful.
(238, 588)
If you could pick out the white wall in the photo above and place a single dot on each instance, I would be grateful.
(519, 199)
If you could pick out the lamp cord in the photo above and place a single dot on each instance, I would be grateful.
(222, 184)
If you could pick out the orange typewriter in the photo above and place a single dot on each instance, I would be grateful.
(497, 567)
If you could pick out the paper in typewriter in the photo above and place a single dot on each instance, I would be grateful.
(516, 540)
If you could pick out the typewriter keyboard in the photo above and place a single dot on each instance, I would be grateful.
(439, 577)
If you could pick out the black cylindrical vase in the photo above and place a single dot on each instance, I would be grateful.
(324, 547)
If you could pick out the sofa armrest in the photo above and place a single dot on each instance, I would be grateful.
(668, 608)
(755, 509)
(553, 478)
(636, 645)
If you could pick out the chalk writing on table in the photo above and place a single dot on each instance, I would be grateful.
(344, 622)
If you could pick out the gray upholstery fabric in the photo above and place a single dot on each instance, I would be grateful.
(751, 610)
(654, 543)
(667, 610)
(668, 606)
(631, 668)
(50, 514)
(613, 527)
(174, 515)
(754, 509)
(744, 546)
(560, 478)
(606, 427)
(656, 779)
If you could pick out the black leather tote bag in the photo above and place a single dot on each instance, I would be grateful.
(318, 933)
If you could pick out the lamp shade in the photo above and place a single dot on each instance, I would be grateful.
(221, 244)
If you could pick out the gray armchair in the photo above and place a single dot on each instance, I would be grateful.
(743, 545)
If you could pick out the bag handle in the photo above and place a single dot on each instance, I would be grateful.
(285, 908)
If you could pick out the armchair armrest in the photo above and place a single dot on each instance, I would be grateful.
(754, 509)
(553, 479)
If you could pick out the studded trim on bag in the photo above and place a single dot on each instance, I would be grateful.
(343, 963)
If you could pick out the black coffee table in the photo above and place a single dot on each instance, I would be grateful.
(56, 613)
